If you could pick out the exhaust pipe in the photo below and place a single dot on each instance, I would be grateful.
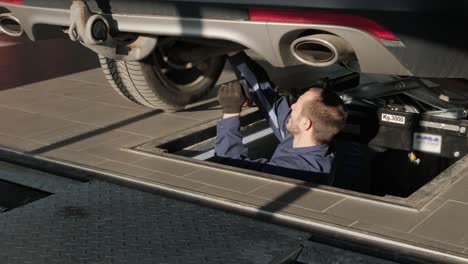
(10, 25)
(322, 50)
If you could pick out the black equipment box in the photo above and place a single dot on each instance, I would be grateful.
(418, 132)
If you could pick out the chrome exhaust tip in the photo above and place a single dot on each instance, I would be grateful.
(321, 50)
(10, 25)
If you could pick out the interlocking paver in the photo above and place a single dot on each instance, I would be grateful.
(152, 127)
(122, 168)
(166, 166)
(171, 180)
(77, 136)
(412, 238)
(103, 114)
(112, 98)
(73, 156)
(230, 181)
(21, 98)
(447, 224)
(235, 196)
(457, 191)
(51, 85)
(23, 124)
(396, 218)
(114, 152)
(89, 76)
(60, 107)
(19, 144)
(298, 196)
(85, 91)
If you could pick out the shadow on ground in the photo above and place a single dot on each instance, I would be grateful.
(29, 62)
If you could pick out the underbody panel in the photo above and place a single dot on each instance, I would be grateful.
(146, 6)
(429, 42)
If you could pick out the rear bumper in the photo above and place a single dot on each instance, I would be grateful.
(152, 7)
(269, 40)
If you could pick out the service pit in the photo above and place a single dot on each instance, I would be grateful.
(362, 169)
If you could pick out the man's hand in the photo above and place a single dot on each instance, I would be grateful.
(231, 97)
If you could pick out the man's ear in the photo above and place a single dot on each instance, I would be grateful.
(306, 123)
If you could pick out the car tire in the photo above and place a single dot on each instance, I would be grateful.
(156, 84)
(109, 67)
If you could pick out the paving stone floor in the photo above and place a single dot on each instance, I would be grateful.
(56, 103)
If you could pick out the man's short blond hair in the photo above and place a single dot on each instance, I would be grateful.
(327, 113)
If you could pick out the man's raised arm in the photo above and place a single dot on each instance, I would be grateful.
(261, 89)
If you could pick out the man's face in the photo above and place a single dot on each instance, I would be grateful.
(293, 125)
(296, 120)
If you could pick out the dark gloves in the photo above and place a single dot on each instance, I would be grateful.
(231, 97)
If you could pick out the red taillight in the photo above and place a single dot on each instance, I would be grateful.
(13, 2)
(322, 18)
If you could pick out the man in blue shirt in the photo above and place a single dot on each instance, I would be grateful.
(304, 129)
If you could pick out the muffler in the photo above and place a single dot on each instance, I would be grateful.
(322, 50)
(10, 25)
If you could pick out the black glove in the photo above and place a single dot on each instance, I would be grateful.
(231, 97)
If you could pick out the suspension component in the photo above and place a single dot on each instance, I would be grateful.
(94, 31)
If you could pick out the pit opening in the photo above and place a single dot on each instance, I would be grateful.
(362, 169)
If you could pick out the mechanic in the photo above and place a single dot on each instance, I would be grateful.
(304, 130)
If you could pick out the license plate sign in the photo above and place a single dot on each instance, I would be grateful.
(393, 119)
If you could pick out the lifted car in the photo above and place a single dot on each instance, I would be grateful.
(167, 54)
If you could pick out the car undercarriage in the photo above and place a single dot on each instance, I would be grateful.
(152, 40)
